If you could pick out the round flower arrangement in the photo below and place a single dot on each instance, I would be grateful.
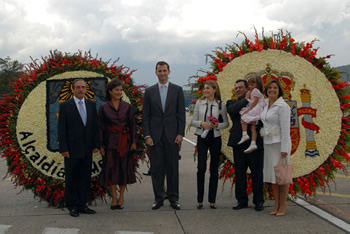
(312, 88)
(29, 116)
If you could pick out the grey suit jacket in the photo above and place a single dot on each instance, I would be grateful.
(172, 119)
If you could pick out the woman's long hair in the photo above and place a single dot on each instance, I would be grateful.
(214, 85)
(259, 82)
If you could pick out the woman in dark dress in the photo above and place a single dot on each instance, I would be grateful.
(118, 137)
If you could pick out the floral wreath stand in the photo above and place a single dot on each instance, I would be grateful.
(29, 117)
(313, 90)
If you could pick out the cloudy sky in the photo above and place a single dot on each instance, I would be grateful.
(141, 32)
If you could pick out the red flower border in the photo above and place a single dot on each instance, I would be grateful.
(23, 173)
(319, 178)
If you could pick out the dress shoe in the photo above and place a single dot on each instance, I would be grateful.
(280, 213)
(119, 207)
(175, 205)
(114, 207)
(259, 206)
(212, 206)
(87, 210)
(74, 213)
(157, 205)
(239, 206)
(199, 205)
(147, 173)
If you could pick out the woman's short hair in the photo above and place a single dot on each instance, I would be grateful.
(280, 90)
(111, 85)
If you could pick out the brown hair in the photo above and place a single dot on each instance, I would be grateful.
(215, 86)
(259, 82)
(280, 90)
(111, 85)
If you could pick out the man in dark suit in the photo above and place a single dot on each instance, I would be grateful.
(253, 160)
(78, 140)
(164, 128)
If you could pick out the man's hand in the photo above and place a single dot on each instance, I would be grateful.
(65, 154)
(149, 141)
(178, 140)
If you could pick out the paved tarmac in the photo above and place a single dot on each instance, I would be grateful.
(21, 213)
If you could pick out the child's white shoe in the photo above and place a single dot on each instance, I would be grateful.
(243, 139)
(250, 149)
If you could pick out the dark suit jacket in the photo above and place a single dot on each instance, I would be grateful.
(233, 108)
(73, 136)
(172, 120)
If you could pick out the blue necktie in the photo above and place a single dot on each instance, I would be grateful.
(82, 112)
(163, 96)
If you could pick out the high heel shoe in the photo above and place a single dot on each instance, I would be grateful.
(274, 212)
(282, 212)
(114, 207)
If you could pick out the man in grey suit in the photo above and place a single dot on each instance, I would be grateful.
(164, 128)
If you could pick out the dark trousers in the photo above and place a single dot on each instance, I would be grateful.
(77, 181)
(255, 161)
(214, 146)
(165, 161)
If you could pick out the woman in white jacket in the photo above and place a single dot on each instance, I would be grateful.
(277, 142)
(209, 105)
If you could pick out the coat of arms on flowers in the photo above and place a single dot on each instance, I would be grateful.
(287, 82)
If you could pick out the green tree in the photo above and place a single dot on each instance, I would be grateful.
(8, 71)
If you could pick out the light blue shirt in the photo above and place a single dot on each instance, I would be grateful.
(76, 100)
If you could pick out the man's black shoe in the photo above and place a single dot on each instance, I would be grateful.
(87, 210)
(157, 205)
(259, 206)
(74, 212)
(239, 206)
(175, 205)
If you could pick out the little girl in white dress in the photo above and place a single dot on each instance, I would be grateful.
(252, 112)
